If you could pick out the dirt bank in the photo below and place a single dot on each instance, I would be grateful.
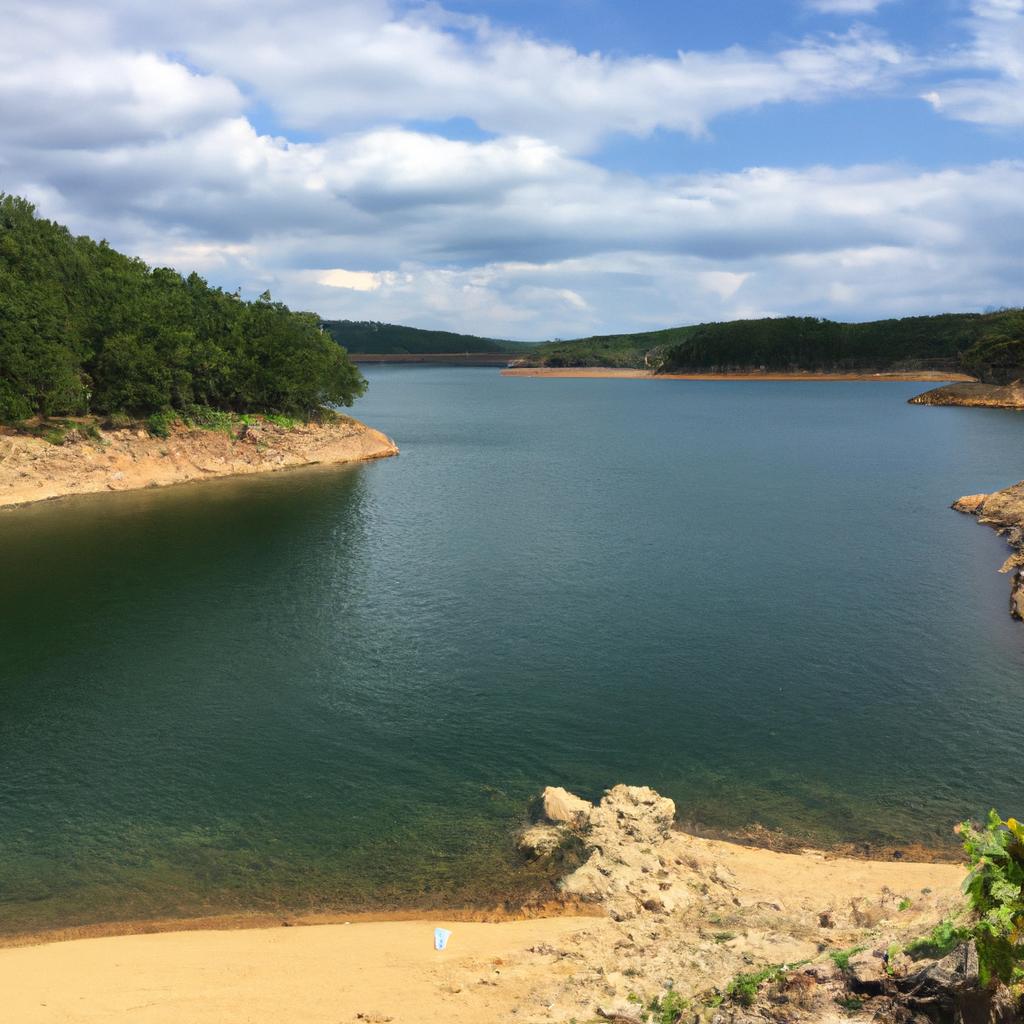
(615, 373)
(987, 396)
(33, 469)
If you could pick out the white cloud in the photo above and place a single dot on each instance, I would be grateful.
(724, 283)
(994, 95)
(355, 280)
(347, 66)
(846, 6)
(140, 126)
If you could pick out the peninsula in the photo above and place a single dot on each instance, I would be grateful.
(114, 375)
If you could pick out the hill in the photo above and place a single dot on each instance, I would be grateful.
(85, 329)
(367, 337)
(989, 345)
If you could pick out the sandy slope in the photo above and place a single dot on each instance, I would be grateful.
(329, 974)
(679, 908)
(31, 469)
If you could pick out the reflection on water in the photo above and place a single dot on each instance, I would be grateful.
(340, 687)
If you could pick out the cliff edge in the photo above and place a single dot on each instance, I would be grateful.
(1004, 512)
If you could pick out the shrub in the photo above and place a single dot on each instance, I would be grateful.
(995, 889)
(160, 423)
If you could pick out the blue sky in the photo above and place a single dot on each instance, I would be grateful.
(535, 169)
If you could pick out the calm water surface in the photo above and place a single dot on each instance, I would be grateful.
(340, 688)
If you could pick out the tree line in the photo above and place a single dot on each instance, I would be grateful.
(86, 329)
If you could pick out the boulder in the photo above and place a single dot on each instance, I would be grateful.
(564, 808)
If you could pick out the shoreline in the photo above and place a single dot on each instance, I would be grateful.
(616, 373)
(34, 470)
(975, 395)
(1004, 512)
(632, 880)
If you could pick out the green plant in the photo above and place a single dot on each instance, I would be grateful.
(939, 942)
(995, 890)
(119, 421)
(851, 1004)
(904, 905)
(743, 988)
(205, 418)
(669, 1008)
(841, 957)
(721, 937)
(160, 423)
(281, 421)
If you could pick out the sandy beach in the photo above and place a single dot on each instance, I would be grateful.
(671, 906)
(615, 373)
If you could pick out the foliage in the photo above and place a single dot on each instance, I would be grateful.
(990, 345)
(939, 942)
(995, 889)
(85, 329)
(668, 1009)
(366, 336)
(841, 957)
(160, 423)
(743, 988)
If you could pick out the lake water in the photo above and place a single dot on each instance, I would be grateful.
(340, 688)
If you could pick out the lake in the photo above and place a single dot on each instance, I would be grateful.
(340, 688)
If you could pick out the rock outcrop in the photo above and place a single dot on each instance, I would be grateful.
(32, 469)
(1004, 512)
(698, 930)
(988, 396)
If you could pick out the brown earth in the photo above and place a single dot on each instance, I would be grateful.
(32, 469)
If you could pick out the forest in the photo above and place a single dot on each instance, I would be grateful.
(85, 329)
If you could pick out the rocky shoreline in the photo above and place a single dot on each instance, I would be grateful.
(93, 460)
(685, 930)
(1004, 512)
(709, 933)
(975, 394)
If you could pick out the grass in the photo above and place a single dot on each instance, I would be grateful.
(743, 988)
(939, 942)
(841, 957)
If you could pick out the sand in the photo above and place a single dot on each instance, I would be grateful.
(628, 374)
(767, 905)
(332, 973)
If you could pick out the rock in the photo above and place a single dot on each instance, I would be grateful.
(564, 808)
(969, 504)
(638, 811)
(540, 840)
(1004, 512)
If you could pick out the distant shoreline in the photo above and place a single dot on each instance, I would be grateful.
(615, 373)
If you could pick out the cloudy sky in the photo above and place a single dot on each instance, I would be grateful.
(536, 168)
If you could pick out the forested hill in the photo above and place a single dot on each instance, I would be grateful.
(86, 329)
(990, 345)
(367, 337)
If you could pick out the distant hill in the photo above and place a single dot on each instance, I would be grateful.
(989, 345)
(368, 337)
